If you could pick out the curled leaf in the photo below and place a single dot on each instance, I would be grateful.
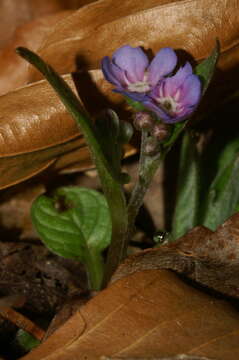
(37, 131)
(30, 35)
(210, 258)
(98, 29)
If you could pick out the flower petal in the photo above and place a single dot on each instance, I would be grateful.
(107, 65)
(182, 73)
(132, 60)
(132, 95)
(163, 64)
(171, 84)
(191, 91)
(149, 104)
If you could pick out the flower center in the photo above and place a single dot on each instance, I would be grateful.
(169, 104)
(140, 87)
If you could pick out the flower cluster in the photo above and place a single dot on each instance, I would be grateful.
(171, 97)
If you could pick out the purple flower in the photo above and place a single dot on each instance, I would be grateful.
(175, 98)
(132, 73)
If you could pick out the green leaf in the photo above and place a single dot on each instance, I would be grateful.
(112, 134)
(26, 340)
(185, 214)
(206, 68)
(82, 230)
(223, 195)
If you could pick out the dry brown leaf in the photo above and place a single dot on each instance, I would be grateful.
(15, 210)
(37, 131)
(210, 258)
(177, 357)
(13, 69)
(26, 23)
(147, 314)
(99, 28)
(14, 13)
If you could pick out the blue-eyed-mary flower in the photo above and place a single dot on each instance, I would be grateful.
(132, 73)
(175, 98)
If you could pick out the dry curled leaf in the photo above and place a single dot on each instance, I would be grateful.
(210, 258)
(27, 23)
(149, 314)
(29, 35)
(15, 209)
(99, 28)
(14, 13)
(37, 131)
(177, 357)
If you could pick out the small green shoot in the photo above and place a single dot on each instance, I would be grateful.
(81, 230)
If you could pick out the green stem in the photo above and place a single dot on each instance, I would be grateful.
(119, 218)
(95, 269)
(148, 166)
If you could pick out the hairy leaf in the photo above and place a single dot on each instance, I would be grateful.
(185, 213)
(84, 225)
(206, 68)
(80, 231)
(223, 194)
(112, 133)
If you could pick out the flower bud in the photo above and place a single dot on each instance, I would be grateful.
(151, 146)
(160, 131)
(143, 121)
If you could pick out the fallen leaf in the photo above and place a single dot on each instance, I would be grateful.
(210, 258)
(100, 28)
(146, 315)
(30, 23)
(15, 209)
(37, 131)
(14, 13)
(177, 357)
(28, 35)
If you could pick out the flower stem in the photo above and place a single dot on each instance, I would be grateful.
(119, 218)
(95, 266)
(148, 165)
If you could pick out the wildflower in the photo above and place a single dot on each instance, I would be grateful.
(132, 73)
(175, 98)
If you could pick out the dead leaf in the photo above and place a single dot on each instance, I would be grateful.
(210, 258)
(147, 314)
(177, 357)
(30, 23)
(100, 28)
(28, 35)
(15, 209)
(14, 13)
(36, 131)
